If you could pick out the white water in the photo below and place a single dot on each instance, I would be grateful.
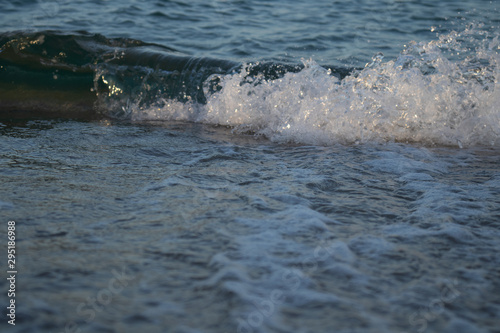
(444, 92)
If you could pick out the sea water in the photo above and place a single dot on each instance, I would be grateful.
(248, 166)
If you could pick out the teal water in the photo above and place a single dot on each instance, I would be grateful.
(247, 166)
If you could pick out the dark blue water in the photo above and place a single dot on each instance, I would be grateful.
(329, 31)
(247, 166)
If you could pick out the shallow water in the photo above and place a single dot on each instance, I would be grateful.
(216, 233)
(231, 186)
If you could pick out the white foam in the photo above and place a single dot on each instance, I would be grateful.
(426, 95)
(447, 202)
(371, 246)
(448, 230)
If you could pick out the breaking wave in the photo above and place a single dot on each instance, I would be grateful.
(442, 92)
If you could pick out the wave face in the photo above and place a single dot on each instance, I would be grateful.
(443, 92)
(50, 73)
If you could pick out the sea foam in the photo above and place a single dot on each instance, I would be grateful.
(442, 92)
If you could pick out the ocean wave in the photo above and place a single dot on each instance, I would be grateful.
(442, 92)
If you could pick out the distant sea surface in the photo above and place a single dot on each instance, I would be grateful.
(251, 166)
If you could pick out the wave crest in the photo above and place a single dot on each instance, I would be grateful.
(444, 92)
